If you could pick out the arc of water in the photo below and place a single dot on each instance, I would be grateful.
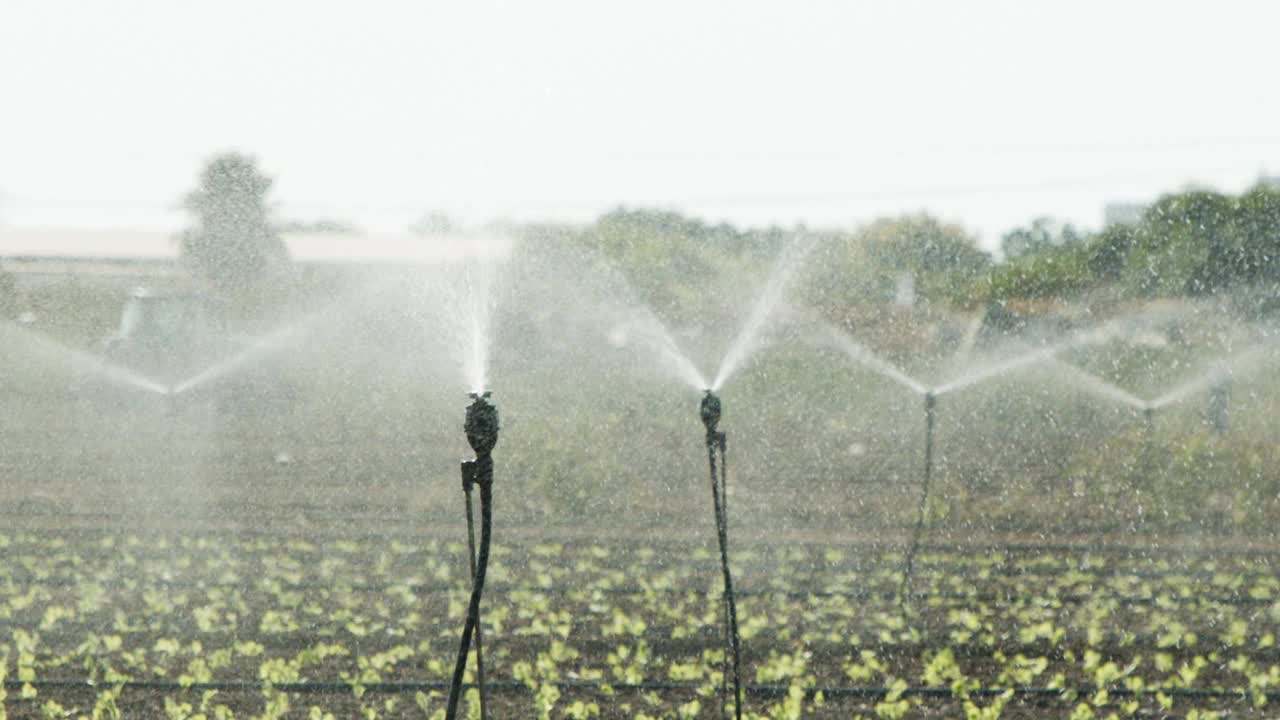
(1100, 387)
(1189, 388)
(1240, 363)
(986, 373)
(85, 361)
(780, 279)
(1032, 357)
(263, 346)
(859, 353)
(655, 334)
(616, 308)
(272, 342)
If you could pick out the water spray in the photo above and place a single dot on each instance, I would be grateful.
(930, 417)
(481, 427)
(709, 411)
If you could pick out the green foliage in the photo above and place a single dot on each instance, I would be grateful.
(1195, 242)
(1202, 242)
(1258, 257)
(1050, 607)
(1108, 251)
(1043, 236)
(1058, 272)
(1202, 479)
(666, 257)
(1182, 244)
(848, 270)
(943, 259)
(233, 243)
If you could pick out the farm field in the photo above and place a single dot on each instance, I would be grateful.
(115, 622)
(163, 558)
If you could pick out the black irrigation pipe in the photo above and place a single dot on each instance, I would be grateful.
(770, 690)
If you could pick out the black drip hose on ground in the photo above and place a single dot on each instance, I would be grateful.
(477, 589)
(716, 442)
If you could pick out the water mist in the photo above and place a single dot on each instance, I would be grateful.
(770, 299)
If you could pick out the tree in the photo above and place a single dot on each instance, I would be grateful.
(667, 257)
(1259, 227)
(1044, 234)
(943, 259)
(434, 223)
(1108, 251)
(1185, 244)
(849, 269)
(233, 243)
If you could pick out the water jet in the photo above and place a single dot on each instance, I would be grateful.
(81, 361)
(709, 411)
(857, 352)
(773, 295)
(481, 428)
(1097, 386)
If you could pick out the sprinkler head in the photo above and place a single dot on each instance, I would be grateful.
(710, 411)
(930, 400)
(481, 424)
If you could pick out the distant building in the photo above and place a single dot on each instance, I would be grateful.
(125, 258)
(39, 257)
(1122, 213)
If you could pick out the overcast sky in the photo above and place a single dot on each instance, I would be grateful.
(830, 113)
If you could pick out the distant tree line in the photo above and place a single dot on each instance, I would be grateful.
(1195, 242)
(675, 262)
(1192, 243)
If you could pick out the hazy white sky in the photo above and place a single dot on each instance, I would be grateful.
(987, 113)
